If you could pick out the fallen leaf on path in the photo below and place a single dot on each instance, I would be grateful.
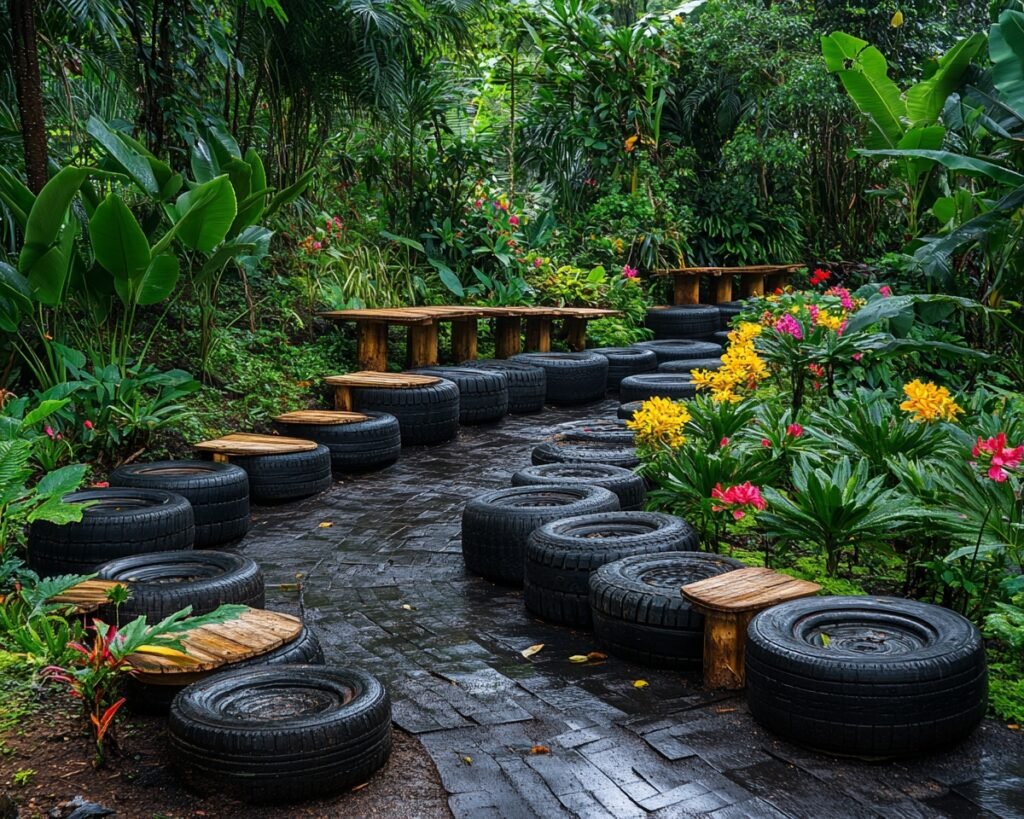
(468, 760)
(529, 652)
(540, 749)
(360, 787)
(640, 683)
(407, 607)
(724, 710)
(326, 524)
(579, 658)
(597, 655)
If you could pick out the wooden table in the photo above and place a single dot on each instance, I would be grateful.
(249, 443)
(753, 280)
(729, 602)
(422, 322)
(343, 384)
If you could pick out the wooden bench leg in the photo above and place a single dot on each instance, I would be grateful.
(507, 336)
(464, 339)
(220, 458)
(753, 286)
(538, 334)
(723, 289)
(343, 398)
(422, 350)
(372, 345)
(687, 290)
(576, 333)
(725, 637)
(774, 281)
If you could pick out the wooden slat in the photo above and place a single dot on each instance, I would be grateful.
(740, 270)
(249, 443)
(366, 378)
(254, 632)
(747, 589)
(88, 595)
(392, 316)
(323, 417)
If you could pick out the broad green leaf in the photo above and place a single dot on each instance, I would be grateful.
(131, 162)
(204, 163)
(16, 196)
(48, 214)
(926, 99)
(158, 280)
(223, 144)
(1006, 48)
(259, 173)
(43, 411)
(967, 165)
(231, 249)
(205, 214)
(61, 481)
(448, 277)
(48, 276)
(289, 194)
(14, 287)
(117, 239)
(920, 138)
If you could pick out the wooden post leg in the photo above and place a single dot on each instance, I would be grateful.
(422, 345)
(538, 334)
(576, 333)
(753, 285)
(774, 281)
(372, 346)
(507, 336)
(723, 289)
(220, 458)
(464, 339)
(725, 638)
(687, 290)
(343, 399)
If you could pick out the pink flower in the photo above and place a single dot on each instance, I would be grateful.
(843, 295)
(885, 290)
(813, 311)
(790, 326)
(795, 430)
(513, 220)
(317, 245)
(49, 431)
(738, 499)
(841, 328)
(998, 456)
(328, 222)
(723, 443)
(479, 203)
(87, 424)
(538, 262)
(629, 272)
(766, 443)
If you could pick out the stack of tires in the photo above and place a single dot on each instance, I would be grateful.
(599, 441)
(572, 378)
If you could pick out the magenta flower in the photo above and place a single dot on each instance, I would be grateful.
(766, 443)
(738, 499)
(885, 290)
(87, 424)
(999, 457)
(724, 443)
(843, 295)
(790, 326)
(513, 220)
(857, 356)
(629, 272)
(795, 430)
(538, 262)
(317, 245)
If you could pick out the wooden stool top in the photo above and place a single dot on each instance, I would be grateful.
(254, 632)
(747, 589)
(249, 443)
(88, 595)
(368, 378)
(750, 269)
(321, 417)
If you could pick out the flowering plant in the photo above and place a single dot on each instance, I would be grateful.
(660, 422)
(738, 500)
(994, 454)
(741, 371)
(928, 403)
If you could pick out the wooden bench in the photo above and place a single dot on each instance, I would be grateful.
(729, 602)
(250, 443)
(422, 322)
(754, 279)
(343, 384)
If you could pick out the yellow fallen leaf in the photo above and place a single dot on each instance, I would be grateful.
(897, 20)
(326, 524)
(540, 749)
(468, 760)
(529, 652)
(407, 607)
(578, 658)
(640, 683)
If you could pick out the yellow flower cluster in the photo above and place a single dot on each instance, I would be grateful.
(660, 421)
(741, 368)
(929, 402)
(829, 322)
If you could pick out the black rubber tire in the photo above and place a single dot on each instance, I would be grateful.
(426, 415)
(162, 583)
(681, 350)
(496, 525)
(628, 410)
(897, 677)
(561, 555)
(527, 384)
(151, 698)
(628, 486)
(727, 311)
(683, 321)
(623, 361)
(359, 447)
(291, 476)
(720, 338)
(572, 378)
(602, 430)
(483, 394)
(662, 385)
(585, 452)
(686, 367)
(639, 614)
(218, 493)
(118, 522)
(281, 734)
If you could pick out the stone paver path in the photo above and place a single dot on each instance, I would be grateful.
(385, 588)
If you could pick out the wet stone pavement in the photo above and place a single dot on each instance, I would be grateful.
(385, 589)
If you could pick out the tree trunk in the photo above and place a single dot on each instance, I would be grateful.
(29, 90)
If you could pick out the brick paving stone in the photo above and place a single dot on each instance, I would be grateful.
(385, 589)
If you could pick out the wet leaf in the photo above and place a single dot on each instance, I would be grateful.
(594, 656)
(1013, 726)
(529, 652)
(326, 524)
(540, 749)
(897, 19)
(467, 760)
(724, 710)
(408, 607)
(360, 787)
(288, 586)
(579, 658)
(640, 683)
(825, 640)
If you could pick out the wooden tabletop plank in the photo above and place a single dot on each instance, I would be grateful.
(323, 417)
(747, 589)
(398, 315)
(88, 595)
(728, 271)
(250, 443)
(368, 378)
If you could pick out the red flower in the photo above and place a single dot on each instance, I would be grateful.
(766, 443)
(738, 498)
(820, 277)
(723, 443)
(999, 458)
(513, 220)
(101, 485)
(87, 424)
(795, 430)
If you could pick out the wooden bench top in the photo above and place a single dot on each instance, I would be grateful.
(321, 417)
(746, 590)
(368, 378)
(249, 443)
(431, 314)
(254, 632)
(751, 269)
(88, 595)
